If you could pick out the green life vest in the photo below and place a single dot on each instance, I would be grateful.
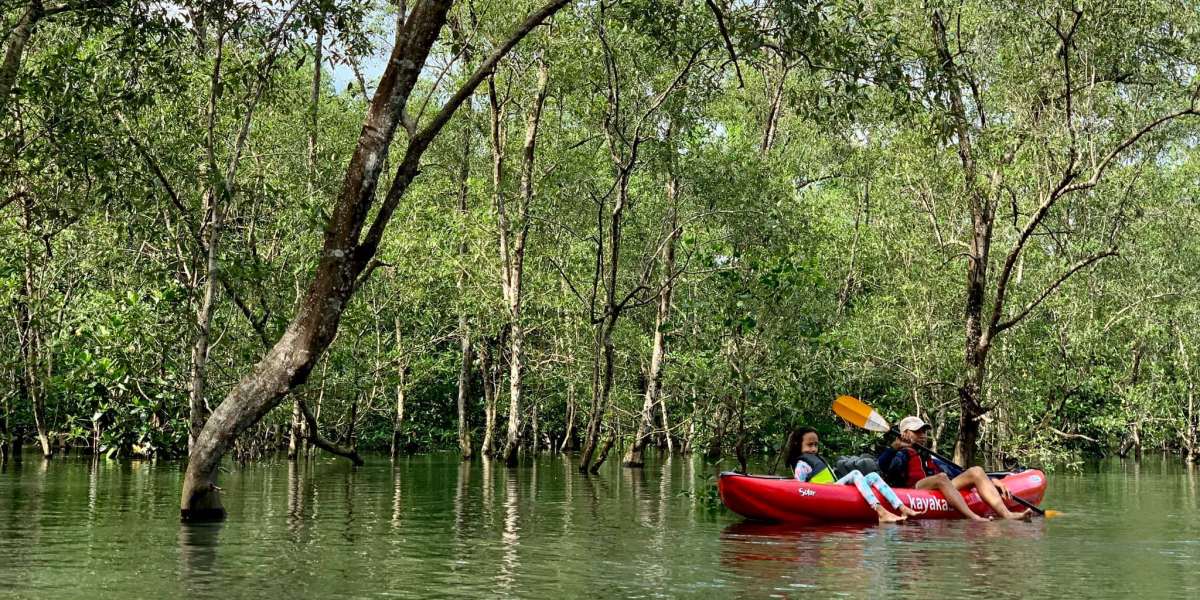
(821, 473)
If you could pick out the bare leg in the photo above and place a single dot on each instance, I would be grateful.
(977, 478)
(954, 497)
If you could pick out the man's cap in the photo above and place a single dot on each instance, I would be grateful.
(912, 424)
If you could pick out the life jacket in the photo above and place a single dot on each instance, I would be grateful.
(920, 466)
(820, 471)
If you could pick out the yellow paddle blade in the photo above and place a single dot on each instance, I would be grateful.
(1050, 514)
(857, 413)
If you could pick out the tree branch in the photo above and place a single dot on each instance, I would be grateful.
(1049, 290)
(1063, 189)
(314, 436)
(728, 43)
(1126, 143)
(417, 144)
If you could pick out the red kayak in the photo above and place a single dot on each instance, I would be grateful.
(784, 500)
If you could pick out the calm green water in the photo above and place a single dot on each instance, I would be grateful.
(429, 526)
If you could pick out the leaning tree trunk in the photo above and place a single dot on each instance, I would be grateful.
(604, 355)
(298, 434)
(635, 458)
(18, 39)
(569, 432)
(30, 340)
(347, 250)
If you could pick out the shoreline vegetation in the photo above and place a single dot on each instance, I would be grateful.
(230, 229)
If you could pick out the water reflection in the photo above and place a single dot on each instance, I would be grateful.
(397, 505)
(1191, 485)
(462, 483)
(868, 560)
(486, 489)
(348, 533)
(435, 527)
(511, 537)
(93, 482)
(198, 544)
(295, 496)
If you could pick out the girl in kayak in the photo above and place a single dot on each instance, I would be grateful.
(811, 468)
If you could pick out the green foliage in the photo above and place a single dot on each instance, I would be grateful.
(826, 259)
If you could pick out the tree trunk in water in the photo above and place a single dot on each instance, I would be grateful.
(464, 389)
(346, 252)
(666, 425)
(604, 352)
(464, 329)
(512, 438)
(1191, 422)
(569, 433)
(970, 411)
(489, 399)
(602, 456)
(716, 446)
(351, 428)
(1189, 429)
(30, 340)
(297, 433)
(204, 315)
(4, 439)
(512, 252)
(978, 342)
(1133, 441)
(634, 458)
(296, 447)
(401, 385)
(602, 380)
(534, 431)
(210, 222)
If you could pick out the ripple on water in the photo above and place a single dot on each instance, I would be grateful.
(430, 526)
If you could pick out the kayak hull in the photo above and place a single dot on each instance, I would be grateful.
(783, 500)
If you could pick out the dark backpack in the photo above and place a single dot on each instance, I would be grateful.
(863, 464)
(894, 477)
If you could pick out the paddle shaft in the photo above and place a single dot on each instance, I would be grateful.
(1020, 500)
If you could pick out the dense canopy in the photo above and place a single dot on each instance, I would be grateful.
(512, 227)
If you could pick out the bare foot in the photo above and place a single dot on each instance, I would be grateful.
(979, 519)
(908, 512)
(1025, 515)
(887, 517)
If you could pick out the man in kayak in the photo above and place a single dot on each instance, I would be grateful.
(917, 469)
(809, 467)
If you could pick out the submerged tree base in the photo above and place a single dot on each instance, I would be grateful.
(201, 515)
